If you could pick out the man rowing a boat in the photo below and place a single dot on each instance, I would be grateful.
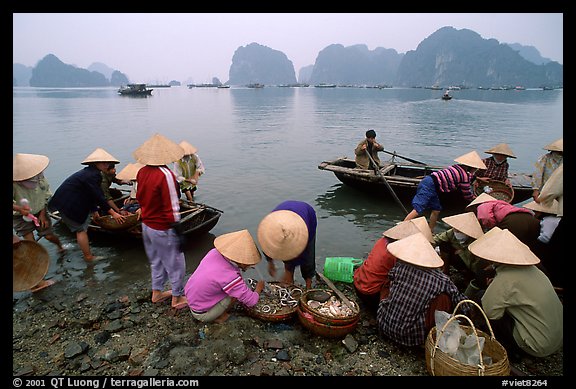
(370, 144)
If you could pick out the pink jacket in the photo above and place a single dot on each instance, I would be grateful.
(491, 213)
(213, 280)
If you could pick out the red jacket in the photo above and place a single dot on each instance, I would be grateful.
(158, 194)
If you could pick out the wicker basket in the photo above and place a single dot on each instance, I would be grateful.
(30, 262)
(108, 223)
(325, 330)
(286, 313)
(333, 321)
(439, 363)
(500, 191)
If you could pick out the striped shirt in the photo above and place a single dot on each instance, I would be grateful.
(402, 315)
(454, 178)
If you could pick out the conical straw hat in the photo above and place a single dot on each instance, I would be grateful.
(471, 159)
(557, 145)
(129, 172)
(409, 227)
(550, 207)
(238, 246)
(158, 151)
(283, 235)
(503, 149)
(100, 155)
(30, 262)
(188, 148)
(466, 223)
(502, 246)
(417, 250)
(25, 166)
(484, 197)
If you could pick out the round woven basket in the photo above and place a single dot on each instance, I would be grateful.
(286, 313)
(500, 191)
(333, 321)
(108, 223)
(30, 262)
(438, 363)
(326, 330)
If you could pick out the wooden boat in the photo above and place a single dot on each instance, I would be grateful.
(135, 90)
(404, 178)
(195, 219)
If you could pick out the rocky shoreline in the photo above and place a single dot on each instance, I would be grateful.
(109, 331)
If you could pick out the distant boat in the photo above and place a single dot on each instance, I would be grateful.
(159, 85)
(223, 86)
(324, 85)
(135, 90)
(255, 85)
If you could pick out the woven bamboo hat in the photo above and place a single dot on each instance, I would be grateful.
(484, 197)
(471, 159)
(188, 148)
(129, 172)
(100, 155)
(466, 223)
(550, 207)
(417, 250)
(503, 149)
(30, 262)
(158, 151)
(502, 246)
(238, 246)
(557, 145)
(25, 166)
(409, 227)
(282, 235)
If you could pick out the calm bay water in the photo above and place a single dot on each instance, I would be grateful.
(263, 146)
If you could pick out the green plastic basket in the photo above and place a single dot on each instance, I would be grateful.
(341, 268)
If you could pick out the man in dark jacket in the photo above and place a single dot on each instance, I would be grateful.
(80, 195)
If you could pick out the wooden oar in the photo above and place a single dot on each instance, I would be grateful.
(406, 158)
(345, 299)
(379, 173)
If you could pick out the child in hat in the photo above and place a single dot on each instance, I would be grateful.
(188, 170)
(288, 233)
(217, 282)
(371, 277)
(453, 178)
(520, 301)
(418, 288)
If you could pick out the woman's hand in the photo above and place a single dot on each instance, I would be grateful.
(259, 286)
(271, 269)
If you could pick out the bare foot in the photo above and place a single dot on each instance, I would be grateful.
(93, 258)
(159, 296)
(222, 318)
(41, 285)
(179, 302)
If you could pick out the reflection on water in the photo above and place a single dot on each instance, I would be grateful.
(263, 146)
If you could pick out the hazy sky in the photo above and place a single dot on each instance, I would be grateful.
(194, 47)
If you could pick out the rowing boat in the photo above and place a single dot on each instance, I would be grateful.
(195, 219)
(404, 178)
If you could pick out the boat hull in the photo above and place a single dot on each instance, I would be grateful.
(404, 180)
